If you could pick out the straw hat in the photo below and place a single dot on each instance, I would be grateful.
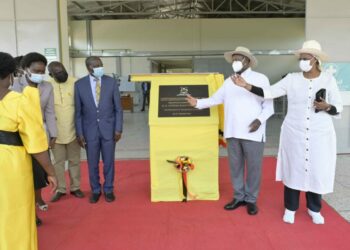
(241, 51)
(314, 48)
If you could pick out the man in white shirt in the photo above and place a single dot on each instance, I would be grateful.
(245, 124)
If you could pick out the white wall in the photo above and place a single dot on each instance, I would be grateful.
(256, 34)
(77, 32)
(146, 35)
(28, 25)
(187, 35)
(192, 35)
(329, 23)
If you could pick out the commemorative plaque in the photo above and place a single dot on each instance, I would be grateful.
(172, 100)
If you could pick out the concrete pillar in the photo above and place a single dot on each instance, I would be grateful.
(64, 33)
(35, 25)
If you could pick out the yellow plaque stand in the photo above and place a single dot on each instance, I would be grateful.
(192, 136)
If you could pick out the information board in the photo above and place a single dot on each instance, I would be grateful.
(172, 100)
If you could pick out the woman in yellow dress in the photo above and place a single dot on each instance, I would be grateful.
(21, 133)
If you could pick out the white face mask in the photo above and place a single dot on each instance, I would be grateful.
(237, 66)
(11, 81)
(36, 78)
(305, 65)
(98, 72)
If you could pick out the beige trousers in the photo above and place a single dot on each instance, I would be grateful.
(67, 152)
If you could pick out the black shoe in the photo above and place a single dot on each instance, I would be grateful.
(142, 110)
(38, 221)
(95, 197)
(57, 196)
(109, 197)
(252, 209)
(234, 204)
(78, 193)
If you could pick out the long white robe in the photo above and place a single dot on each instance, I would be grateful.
(307, 150)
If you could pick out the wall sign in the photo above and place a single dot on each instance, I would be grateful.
(172, 100)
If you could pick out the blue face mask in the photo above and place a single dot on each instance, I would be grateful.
(36, 78)
(98, 72)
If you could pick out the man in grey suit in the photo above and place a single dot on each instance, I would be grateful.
(98, 123)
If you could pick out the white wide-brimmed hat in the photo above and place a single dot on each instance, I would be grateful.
(314, 48)
(241, 51)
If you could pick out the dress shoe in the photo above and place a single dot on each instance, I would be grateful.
(252, 209)
(109, 197)
(234, 204)
(57, 196)
(42, 205)
(95, 197)
(78, 193)
(38, 221)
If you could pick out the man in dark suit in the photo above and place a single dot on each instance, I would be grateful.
(146, 87)
(98, 123)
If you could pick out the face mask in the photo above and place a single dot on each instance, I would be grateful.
(18, 72)
(11, 82)
(237, 66)
(305, 65)
(35, 78)
(61, 77)
(98, 72)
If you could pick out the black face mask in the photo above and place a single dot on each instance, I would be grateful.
(61, 77)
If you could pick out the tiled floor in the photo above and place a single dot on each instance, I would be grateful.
(135, 145)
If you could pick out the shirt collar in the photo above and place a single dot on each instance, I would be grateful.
(93, 79)
(246, 72)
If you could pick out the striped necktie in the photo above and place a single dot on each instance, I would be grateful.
(98, 90)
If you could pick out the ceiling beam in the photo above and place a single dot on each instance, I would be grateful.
(192, 12)
(134, 9)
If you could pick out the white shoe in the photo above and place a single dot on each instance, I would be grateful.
(317, 218)
(288, 216)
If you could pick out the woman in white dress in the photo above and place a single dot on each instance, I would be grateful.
(307, 151)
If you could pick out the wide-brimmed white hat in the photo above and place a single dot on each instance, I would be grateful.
(314, 48)
(241, 51)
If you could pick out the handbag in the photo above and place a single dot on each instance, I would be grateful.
(320, 94)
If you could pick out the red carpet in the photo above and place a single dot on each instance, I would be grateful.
(133, 222)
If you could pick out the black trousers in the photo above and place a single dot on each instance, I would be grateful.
(145, 100)
(291, 200)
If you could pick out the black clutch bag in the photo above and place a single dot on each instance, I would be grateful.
(320, 94)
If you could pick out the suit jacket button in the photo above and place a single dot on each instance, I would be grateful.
(98, 120)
